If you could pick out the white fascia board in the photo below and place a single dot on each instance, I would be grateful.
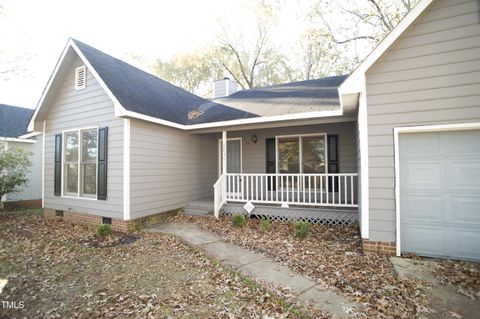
(31, 124)
(29, 135)
(116, 103)
(353, 83)
(71, 44)
(254, 120)
(17, 140)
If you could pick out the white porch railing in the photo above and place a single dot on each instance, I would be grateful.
(337, 190)
(219, 194)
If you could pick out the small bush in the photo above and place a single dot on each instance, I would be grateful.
(301, 228)
(104, 230)
(238, 220)
(265, 224)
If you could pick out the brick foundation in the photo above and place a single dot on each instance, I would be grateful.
(370, 246)
(120, 225)
(23, 204)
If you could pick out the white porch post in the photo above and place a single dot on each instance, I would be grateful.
(224, 152)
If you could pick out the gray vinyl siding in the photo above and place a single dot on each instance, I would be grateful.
(33, 189)
(169, 167)
(431, 75)
(253, 155)
(77, 109)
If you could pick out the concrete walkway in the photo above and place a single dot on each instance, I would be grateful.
(256, 265)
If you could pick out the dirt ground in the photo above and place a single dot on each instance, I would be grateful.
(332, 256)
(50, 269)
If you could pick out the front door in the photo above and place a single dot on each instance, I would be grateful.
(234, 165)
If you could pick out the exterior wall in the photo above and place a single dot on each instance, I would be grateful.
(76, 109)
(253, 155)
(429, 76)
(169, 167)
(33, 190)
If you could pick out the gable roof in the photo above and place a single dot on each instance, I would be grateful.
(138, 94)
(144, 93)
(14, 120)
(355, 83)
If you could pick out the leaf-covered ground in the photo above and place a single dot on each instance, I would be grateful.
(332, 256)
(52, 267)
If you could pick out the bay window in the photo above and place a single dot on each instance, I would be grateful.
(80, 163)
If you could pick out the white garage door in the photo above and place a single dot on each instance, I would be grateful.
(440, 194)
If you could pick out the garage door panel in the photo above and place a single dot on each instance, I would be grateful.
(459, 142)
(421, 175)
(464, 245)
(427, 144)
(465, 209)
(464, 174)
(440, 194)
(423, 240)
(421, 208)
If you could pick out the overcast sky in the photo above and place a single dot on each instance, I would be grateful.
(37, 31)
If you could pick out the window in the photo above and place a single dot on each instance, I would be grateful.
(301, 154)
(80, 163)
(80, 78)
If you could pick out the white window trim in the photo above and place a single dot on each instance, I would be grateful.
(77, 71)
(417, 129)
(220, 153)
(70, 195)
(300, 150)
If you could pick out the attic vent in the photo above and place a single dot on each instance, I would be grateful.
(80, 77)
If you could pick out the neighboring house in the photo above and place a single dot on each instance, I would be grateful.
(394, 146)
(13, 132)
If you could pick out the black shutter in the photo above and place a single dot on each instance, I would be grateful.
(270, 158)
(333, 159)
(57, 174)
(102, 163)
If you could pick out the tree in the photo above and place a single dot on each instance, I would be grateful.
(358, 26)
(189, 70)
(14, 164)
(319, 56)
(258, 62)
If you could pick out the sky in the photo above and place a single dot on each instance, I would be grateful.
(33, 33)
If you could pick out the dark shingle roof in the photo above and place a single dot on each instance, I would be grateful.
(144, 93)
(296, 97)
(14, 120)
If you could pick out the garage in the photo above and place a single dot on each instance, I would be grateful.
(439, 191)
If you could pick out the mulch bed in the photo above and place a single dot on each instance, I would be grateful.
(331, 255)
(58, 270)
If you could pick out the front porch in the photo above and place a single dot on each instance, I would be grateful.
(304, 172)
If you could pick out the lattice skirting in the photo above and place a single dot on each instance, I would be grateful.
(324, 216)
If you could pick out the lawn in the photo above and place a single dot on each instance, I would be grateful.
(58, 270)
(332, 255)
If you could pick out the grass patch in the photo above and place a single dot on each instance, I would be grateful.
(301, 228)
(238, 220)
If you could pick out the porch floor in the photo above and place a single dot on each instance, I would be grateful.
(317, 215)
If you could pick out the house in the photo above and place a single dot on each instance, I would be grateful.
(13, 133)
(395, 145)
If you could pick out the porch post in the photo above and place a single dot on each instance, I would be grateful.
(224, 152)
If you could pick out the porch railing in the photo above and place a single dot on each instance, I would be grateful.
(339, 190)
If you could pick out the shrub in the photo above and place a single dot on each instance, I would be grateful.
(301, 228)
(265, 224)
(238, 220)
(104, 230)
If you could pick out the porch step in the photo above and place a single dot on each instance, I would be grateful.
(199, 207)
